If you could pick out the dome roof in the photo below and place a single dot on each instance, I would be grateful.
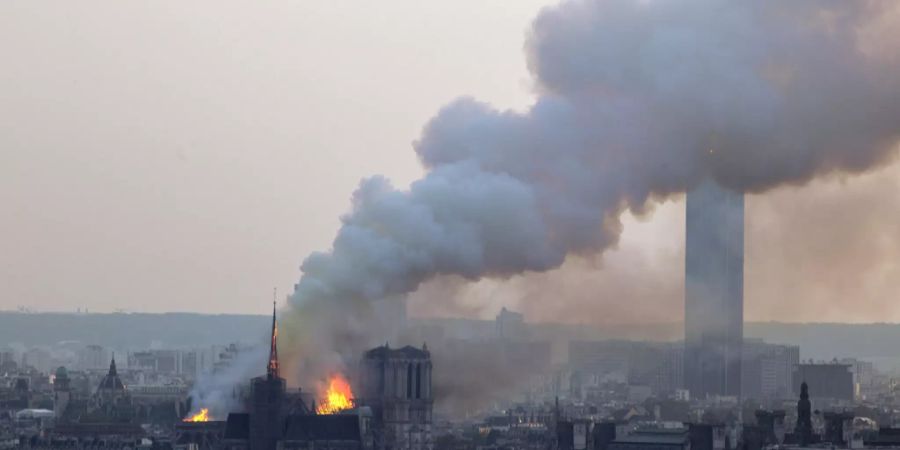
(111, 381)
(61, 372)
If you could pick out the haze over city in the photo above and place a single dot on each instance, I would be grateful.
(153, 163)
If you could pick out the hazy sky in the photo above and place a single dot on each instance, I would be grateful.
(186, 156)
(173, 155)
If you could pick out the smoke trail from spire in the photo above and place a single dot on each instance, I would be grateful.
(637, 100)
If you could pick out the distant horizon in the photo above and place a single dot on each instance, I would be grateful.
(440, 317)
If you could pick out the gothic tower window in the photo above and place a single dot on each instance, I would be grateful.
(418, 381)
(409, 380)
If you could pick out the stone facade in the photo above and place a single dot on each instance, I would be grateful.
(396, 385)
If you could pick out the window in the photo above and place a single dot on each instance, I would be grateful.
(409, 380)
(418, 381)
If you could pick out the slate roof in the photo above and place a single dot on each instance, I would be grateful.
(673, 438)
(301, 427)
(237, 426)
(112, 381)
(335, 427)
(408, 352)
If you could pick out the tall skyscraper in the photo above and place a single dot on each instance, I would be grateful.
(714, 291)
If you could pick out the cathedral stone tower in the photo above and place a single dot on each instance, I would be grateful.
(396, 384)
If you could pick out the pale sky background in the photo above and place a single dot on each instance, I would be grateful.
(171, 155)
(186, 156)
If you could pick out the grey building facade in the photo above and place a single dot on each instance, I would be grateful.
(396, 384)
(826, 381)
(768, 370)
(714, 290)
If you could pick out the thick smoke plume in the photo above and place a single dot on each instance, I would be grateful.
(637, 101)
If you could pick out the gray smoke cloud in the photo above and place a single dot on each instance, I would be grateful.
(219, 390)
(823, 252)
(637, 101)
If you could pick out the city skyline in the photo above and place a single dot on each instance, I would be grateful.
(450, 225)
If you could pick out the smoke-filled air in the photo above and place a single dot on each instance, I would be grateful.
(636, 101)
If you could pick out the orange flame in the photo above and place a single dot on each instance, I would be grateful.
(337, 397)
(202, 416)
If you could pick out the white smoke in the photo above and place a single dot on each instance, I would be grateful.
(219, 390)
(638, 100)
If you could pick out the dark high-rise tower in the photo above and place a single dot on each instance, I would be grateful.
(714, 291)
(803, 430)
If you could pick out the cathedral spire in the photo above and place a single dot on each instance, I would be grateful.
(272, 370)
(112, 365)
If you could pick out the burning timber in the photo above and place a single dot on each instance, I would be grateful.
(394, 410)
(338, 397)
(202, 416)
